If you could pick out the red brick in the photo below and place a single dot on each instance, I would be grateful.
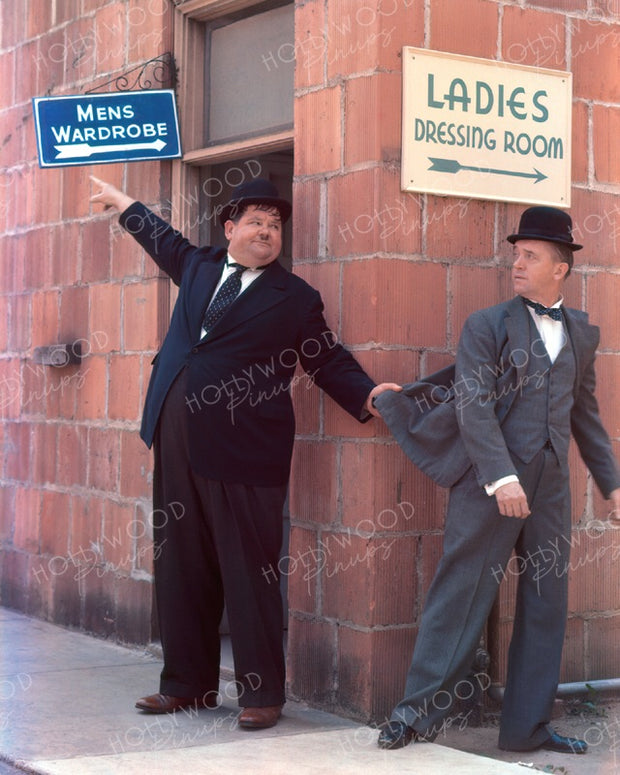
(124, 391)
(11, 388)
(103, 458)
(382, 658)
(459, 229)
(92, 389)
(64, 254)
(372, 102)
(149, 30)
(73, 313)
(368, 36)
(18, 447)
(593, 569)
(394, 302)
(51, 61)
(602, 301)
(75, 193)
(20, 328)
(136, 466)
(367, 213)
(72, 450)
(45, 309)
(449, 21)
(595, 51)
(13, 28)
(7, 73)
(359, 575)
(134, 599)
(99, 606)
(573, 651)
(318, 115)
(603, 661)
(66, 603)
(607, 380)
(307, 208)
(579, 147)
(14, 568)
(606, 157)
(311, 659)
(7, 512)
(563, 5)
(12, 263)
(105, 315)
(431, 550)
(27, 519)
(303, 569)
(310, 45)
(110, 32)
(313, 485)
(87, 528)
(535, 38)
(596, 225)
(117, 537)
(140, 322)
(126, 256)
(44, 452)
(95, 252)
(383, 489)
(145, 182)
(307, 402)
(27, 82)
(36, 384)
(37, 273)
(55, 523)
(473, 288)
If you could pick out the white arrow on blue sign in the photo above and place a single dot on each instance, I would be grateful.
(105, 128)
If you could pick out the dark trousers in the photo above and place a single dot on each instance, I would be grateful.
(478, 543)
(214, 543)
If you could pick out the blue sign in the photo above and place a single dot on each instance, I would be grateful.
(105, 128)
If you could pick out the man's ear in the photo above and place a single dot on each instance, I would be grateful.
(561, 270)
(228, 229)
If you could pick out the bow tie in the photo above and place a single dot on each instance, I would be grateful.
(555, 313)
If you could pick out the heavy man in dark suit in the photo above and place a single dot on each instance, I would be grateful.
(219, 415)
(524, 379)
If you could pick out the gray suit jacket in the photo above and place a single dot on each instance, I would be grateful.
(451, 421)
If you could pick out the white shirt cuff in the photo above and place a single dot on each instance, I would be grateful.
(492, 487)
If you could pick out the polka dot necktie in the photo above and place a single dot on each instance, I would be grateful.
(555, 313)
(228, 292)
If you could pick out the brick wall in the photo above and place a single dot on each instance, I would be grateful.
(399, 273)
(75, 477)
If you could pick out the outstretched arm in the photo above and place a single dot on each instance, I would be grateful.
(108, 195)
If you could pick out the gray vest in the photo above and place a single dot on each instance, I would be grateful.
(541, 410)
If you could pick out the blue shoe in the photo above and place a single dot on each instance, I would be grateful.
(561, 744)
(395, 734)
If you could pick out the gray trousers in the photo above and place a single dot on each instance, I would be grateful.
(478, 544)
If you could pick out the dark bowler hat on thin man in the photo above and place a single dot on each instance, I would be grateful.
(546, 223)
(255, 192)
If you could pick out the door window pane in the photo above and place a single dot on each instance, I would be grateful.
(250, 75)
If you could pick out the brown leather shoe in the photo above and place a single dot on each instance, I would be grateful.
(165, 703)
(260, 718)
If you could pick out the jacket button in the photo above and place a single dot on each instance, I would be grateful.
(194, 349)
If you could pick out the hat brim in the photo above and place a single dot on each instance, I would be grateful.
(512, 238)
(282, 205)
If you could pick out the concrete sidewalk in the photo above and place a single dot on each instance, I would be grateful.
(67, 706)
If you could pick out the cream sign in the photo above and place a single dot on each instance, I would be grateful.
(485, 129)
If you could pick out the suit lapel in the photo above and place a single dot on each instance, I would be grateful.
(266, 291)
(518, 330)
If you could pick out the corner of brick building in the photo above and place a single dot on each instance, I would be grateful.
(400, 272)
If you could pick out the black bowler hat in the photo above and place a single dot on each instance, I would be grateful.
(256, 192)
(546, 223)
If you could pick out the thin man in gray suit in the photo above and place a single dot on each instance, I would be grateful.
(524, 381)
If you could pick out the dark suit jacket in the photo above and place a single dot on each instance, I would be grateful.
(459, 424)
(239, 376)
